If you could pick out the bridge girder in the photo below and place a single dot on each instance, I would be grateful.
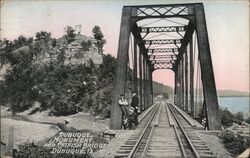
(163, 41)
(163, 50)
(162, 29)
(152, 60)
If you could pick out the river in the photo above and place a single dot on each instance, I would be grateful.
(235, 104)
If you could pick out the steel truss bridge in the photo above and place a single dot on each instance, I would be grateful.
(169, 36)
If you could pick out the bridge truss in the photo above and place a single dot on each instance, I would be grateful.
(169, 45)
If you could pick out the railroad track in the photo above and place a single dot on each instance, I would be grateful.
(163, 132)
(193, 142)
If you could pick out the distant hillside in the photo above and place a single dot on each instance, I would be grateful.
(232, 93)
(159, 88)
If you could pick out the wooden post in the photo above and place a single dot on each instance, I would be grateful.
(207, 74)
(121, 70)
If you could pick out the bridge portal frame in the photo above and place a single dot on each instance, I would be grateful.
(194, 12)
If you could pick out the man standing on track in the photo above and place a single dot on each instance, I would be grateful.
(135, 101)
(134, 104)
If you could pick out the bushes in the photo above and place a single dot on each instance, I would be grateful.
(62, 89)
(227, 118)
(235, 144)
(86, 45)
(66, 88)
(248, 120)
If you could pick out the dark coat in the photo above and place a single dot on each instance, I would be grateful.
(135, 101)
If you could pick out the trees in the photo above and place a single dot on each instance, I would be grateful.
(239, 117)
(86, 45)
(70, 34)
(98, 35)
(6, 47)
(42, 45)
(22, 41)
(165, 95)
(43, 36)
(248, 120)
(235, 144)
(19, 83)
(227, 118)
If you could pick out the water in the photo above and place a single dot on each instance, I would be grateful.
(235, 104)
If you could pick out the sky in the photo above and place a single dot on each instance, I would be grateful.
(227, 24)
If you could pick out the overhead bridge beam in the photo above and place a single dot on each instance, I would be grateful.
(163, 66)
(163, 41)
(162, 29)
(161, 56)
(160, 50)
(163, 61)
(163, 11)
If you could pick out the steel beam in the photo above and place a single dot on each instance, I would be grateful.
(163, 61)
(179, 86)
(182, 83)
(162, 41)
(144, 83)
(186, 39)
(135, 68)
(121, 70)
(207, 74)
(151, 85)
(175, 85)
(138, 37)
(162, 29)
(186, 81)
(161, 56)
(191, 79)
(140, 75)
(163, 50)
(163, 11)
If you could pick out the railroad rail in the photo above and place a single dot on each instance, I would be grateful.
(195, 143)
(164, 132)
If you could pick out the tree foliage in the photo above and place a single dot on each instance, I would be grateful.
(98, 35)
(18, 82)
(248, 120)
(235, 144)
(43, 36)
(227, 118)
(70, 34)
(239, 117)
(165, 95)
(86, 45)
(7, 47)
(61, 89)
(22, 41)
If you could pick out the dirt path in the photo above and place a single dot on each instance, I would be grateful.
(60, 126)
